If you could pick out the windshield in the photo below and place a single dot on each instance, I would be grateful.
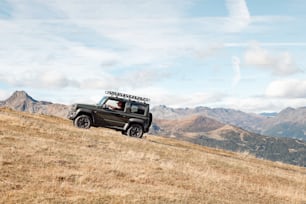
(102, 101)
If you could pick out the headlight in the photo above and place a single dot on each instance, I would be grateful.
(73, 107)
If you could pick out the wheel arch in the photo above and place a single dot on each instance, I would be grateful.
(85, 112)
(134, 121)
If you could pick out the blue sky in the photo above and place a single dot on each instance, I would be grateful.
(240, 54)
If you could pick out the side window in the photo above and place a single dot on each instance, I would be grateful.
(113, 104)
(138, 108)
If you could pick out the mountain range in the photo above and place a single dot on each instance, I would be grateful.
(21, 101)
(219, 128)
(210, 132)
(289, 123)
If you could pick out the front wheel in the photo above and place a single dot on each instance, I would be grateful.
(135, 130)
(82, 121)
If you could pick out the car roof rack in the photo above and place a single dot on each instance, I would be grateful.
(127, 96)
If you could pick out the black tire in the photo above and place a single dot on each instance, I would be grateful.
(135, 130)
(82, 121)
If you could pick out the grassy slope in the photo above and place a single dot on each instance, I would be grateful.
(45, 159)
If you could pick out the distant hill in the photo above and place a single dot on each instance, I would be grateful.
(209, 132)
(289, 123)
(247, 121)
(188, 124)
(21, 101)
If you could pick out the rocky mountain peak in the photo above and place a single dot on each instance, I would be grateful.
(21, 101)
(19, 96)
(286, 111)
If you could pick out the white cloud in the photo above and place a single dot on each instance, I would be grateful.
(292, 88)
(281, 64)
(103, 57)
(53, 79)
(236, 69)
(104, 9)
(38, 79)
(3, 95)
(267, 44)
(261, 104)
(84, 47)
(129, 79)
(137, 32)
(176, 100)
(238, 9)
(256, 104)
(250, 104)
(239, 16)
(105, 83)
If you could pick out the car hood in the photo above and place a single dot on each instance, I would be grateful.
(89, 106)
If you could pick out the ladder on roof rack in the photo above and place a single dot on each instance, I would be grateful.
(127, 96)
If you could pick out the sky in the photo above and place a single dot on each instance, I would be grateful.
(248, 55)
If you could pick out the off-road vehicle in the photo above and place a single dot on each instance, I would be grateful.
(123, 112)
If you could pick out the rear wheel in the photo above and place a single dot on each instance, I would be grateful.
(82, 121)
(135, 130)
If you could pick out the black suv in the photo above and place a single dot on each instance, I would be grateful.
(126, 113)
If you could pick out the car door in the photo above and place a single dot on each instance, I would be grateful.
(112, 114)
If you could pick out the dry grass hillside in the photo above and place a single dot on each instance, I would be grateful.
(45, 159)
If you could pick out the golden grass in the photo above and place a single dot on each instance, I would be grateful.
(45, 159)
